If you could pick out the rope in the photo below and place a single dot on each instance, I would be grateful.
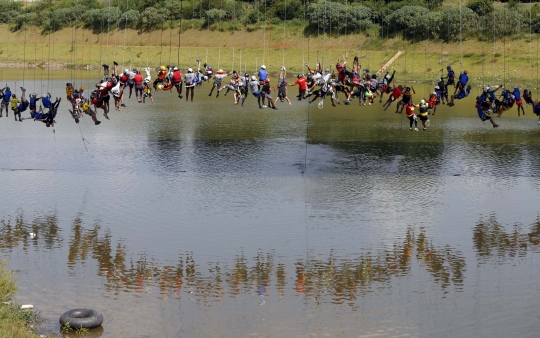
(125, 32)
(460, 37)
(83, 139)
(108, 32)
(179, 34)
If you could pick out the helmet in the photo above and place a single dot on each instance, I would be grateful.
(13, 95)
(253, 78)
(487, 88)
(175, 68)
(220, 71)
(7, 88)
(448, 67)
(190, 70)
(267, 80)
(407, 88)
(34, 94)
(205, 78)
(299, 75)
(374, 76)
(246, 74)
(423, 101)
(126, 71)
(81, 89)
(439, 80)
(209, 68)
(327, 70)
(162, 68)
(76, 91)
(437, 88)
(516, 87)
(400, 87)
(160, 86)
(263, 67)
(434, 93)
(387, 76)
(235, 76)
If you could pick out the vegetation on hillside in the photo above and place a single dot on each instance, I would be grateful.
(413, 20)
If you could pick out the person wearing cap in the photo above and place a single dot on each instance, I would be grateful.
(33, 103)
(6, 96)
(442, 89)
(162, 73)
(450, 78)
(254, 88)
(189, 78)
(263, 75)
(483, 110)
(396, 94)
(218, 80)
(267, 93)
(518, 100)
(462, 81)
(302, 86)
(177, 81)
(463, 92)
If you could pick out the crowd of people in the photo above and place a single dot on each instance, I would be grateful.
(349, 82)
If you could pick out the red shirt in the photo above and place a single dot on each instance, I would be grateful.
(397, 92)
(124, 78)
(177, 77)
(409, 110)
(301, 82)
(138, 79)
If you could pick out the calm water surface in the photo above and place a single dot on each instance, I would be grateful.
(208, 220)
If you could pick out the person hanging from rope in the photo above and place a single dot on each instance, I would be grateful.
(138, 79)
(462, 93)
(358, 91)
(116, 92)
(244, 89)
(161, 75)
(337, 87)
(254, 88)
(6, 97)
(282, 86)
(48, 118)
(266, 92)
(518, 100)
(86, 109)
(14, 104)
(442, 88)
(190, 83)
(407, 97)
(218, 78)
(33, 103)
(69, 91)
(177, 81)
(506, 103)
(22, 106)
(409, 111)
(102, 98)
(131, 82)
(234, 86)
(483, 108)
(76, 111)
(302, 86)
(46, 101)
(450, 78)
(36, 115)
(384, 84)
(373, 87)
(147, 91)
(536, 111)
(123, 80)
(369, 95)
(462, 81)
(433, 102)
(209, 72)
(527, 96)
(423, 114)
(396, 94)
(263, 75)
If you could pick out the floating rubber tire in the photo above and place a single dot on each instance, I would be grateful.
(82, 318)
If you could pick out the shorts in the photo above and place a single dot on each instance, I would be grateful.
(123, 84)
(90, 112)
(139, 87)
(519, 102)
(423, 118)
(131, 83)
(106, 99)
(177, 84)
(32, 107)
(257, 93)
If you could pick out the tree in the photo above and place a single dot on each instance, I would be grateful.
(481, 7)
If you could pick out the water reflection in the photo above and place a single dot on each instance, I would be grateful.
(335, 278)
(491, 239)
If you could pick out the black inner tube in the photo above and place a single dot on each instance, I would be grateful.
(82, 318)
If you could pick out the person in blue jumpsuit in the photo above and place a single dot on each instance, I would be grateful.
(450, 78)
(6, 92)
(482, 108)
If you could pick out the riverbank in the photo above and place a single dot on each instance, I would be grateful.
(13, 321)
(509, 62)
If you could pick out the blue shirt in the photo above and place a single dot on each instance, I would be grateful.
(491, 94)
(262, 75)
(483, 97)
(46, 102)
(537, 109)
(517, 94)
(7, 96)
(439, 94)
(505, 95)
(450, 74)
(463, 78)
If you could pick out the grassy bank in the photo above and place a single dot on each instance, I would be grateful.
(13, 321)
(510, 61)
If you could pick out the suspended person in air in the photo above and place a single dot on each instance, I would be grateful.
(6, 97)
(462, 81)
(396, 94)
(244, 88)
(36, 115)
(263, 75)
(314, 77)
(14, 104)
(33, 103)
(323, 81)
(527, 96)
(483, 108)
(209, 72)
(282, 86)
(147, 91)
(232, 83)
(519, 101)
(138, 80)
(462, 93)
(48, 118)
(506, 103)
(266, 92)
(536, 110)
(86, 109)
(22, 105)
(369, 95)
(373, 87)
(190, 83)
(177, 81)
(442, 88)
(46, 101)
(385, 84)
(218, 79)
(69, 91)
(433, 102)
(450, 78)
(406, 98)
(254, 87)
(423, 113)
(302, 86)
(131, 81)
(234, 86)
(409, 111)
(116, 92)
(123, 79)
(358, 91)
(161, 75)
(100, 97)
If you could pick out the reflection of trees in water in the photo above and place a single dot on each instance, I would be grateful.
(18, 231)
(337, 278)
(491, 239)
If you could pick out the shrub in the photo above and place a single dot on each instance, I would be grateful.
(481, 7)
(102, 19)
(130, 18)
(215, 15)
(412, 21)
(448, 24)
(152, 18)
(289, 9)
(336, 16)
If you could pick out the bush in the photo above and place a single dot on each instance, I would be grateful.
(289, 9)
(9, 16)
(152, 18)
(130, 18)
(481, 7)
(215, 15)
(411, 21)
(63, 17)
(447, 27)
(502, 23)
(102, 19)
(337, 17)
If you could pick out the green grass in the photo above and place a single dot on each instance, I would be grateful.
(14, 322)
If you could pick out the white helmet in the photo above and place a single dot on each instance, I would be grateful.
(434, 93)
(387, 76)
(437, 88)
(190, 70)
(253, 78)
(205, 78)
(439, 80)
(175, 68)
(423, 101)
(487, 88)
(263, 67)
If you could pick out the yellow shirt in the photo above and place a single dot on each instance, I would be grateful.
(14, 103)
(69, 91)
(85, 106)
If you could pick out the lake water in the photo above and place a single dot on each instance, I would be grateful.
(206, 219)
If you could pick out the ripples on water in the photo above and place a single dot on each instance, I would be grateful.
(187, 220)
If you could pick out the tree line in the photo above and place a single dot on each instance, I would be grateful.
(413, 20)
